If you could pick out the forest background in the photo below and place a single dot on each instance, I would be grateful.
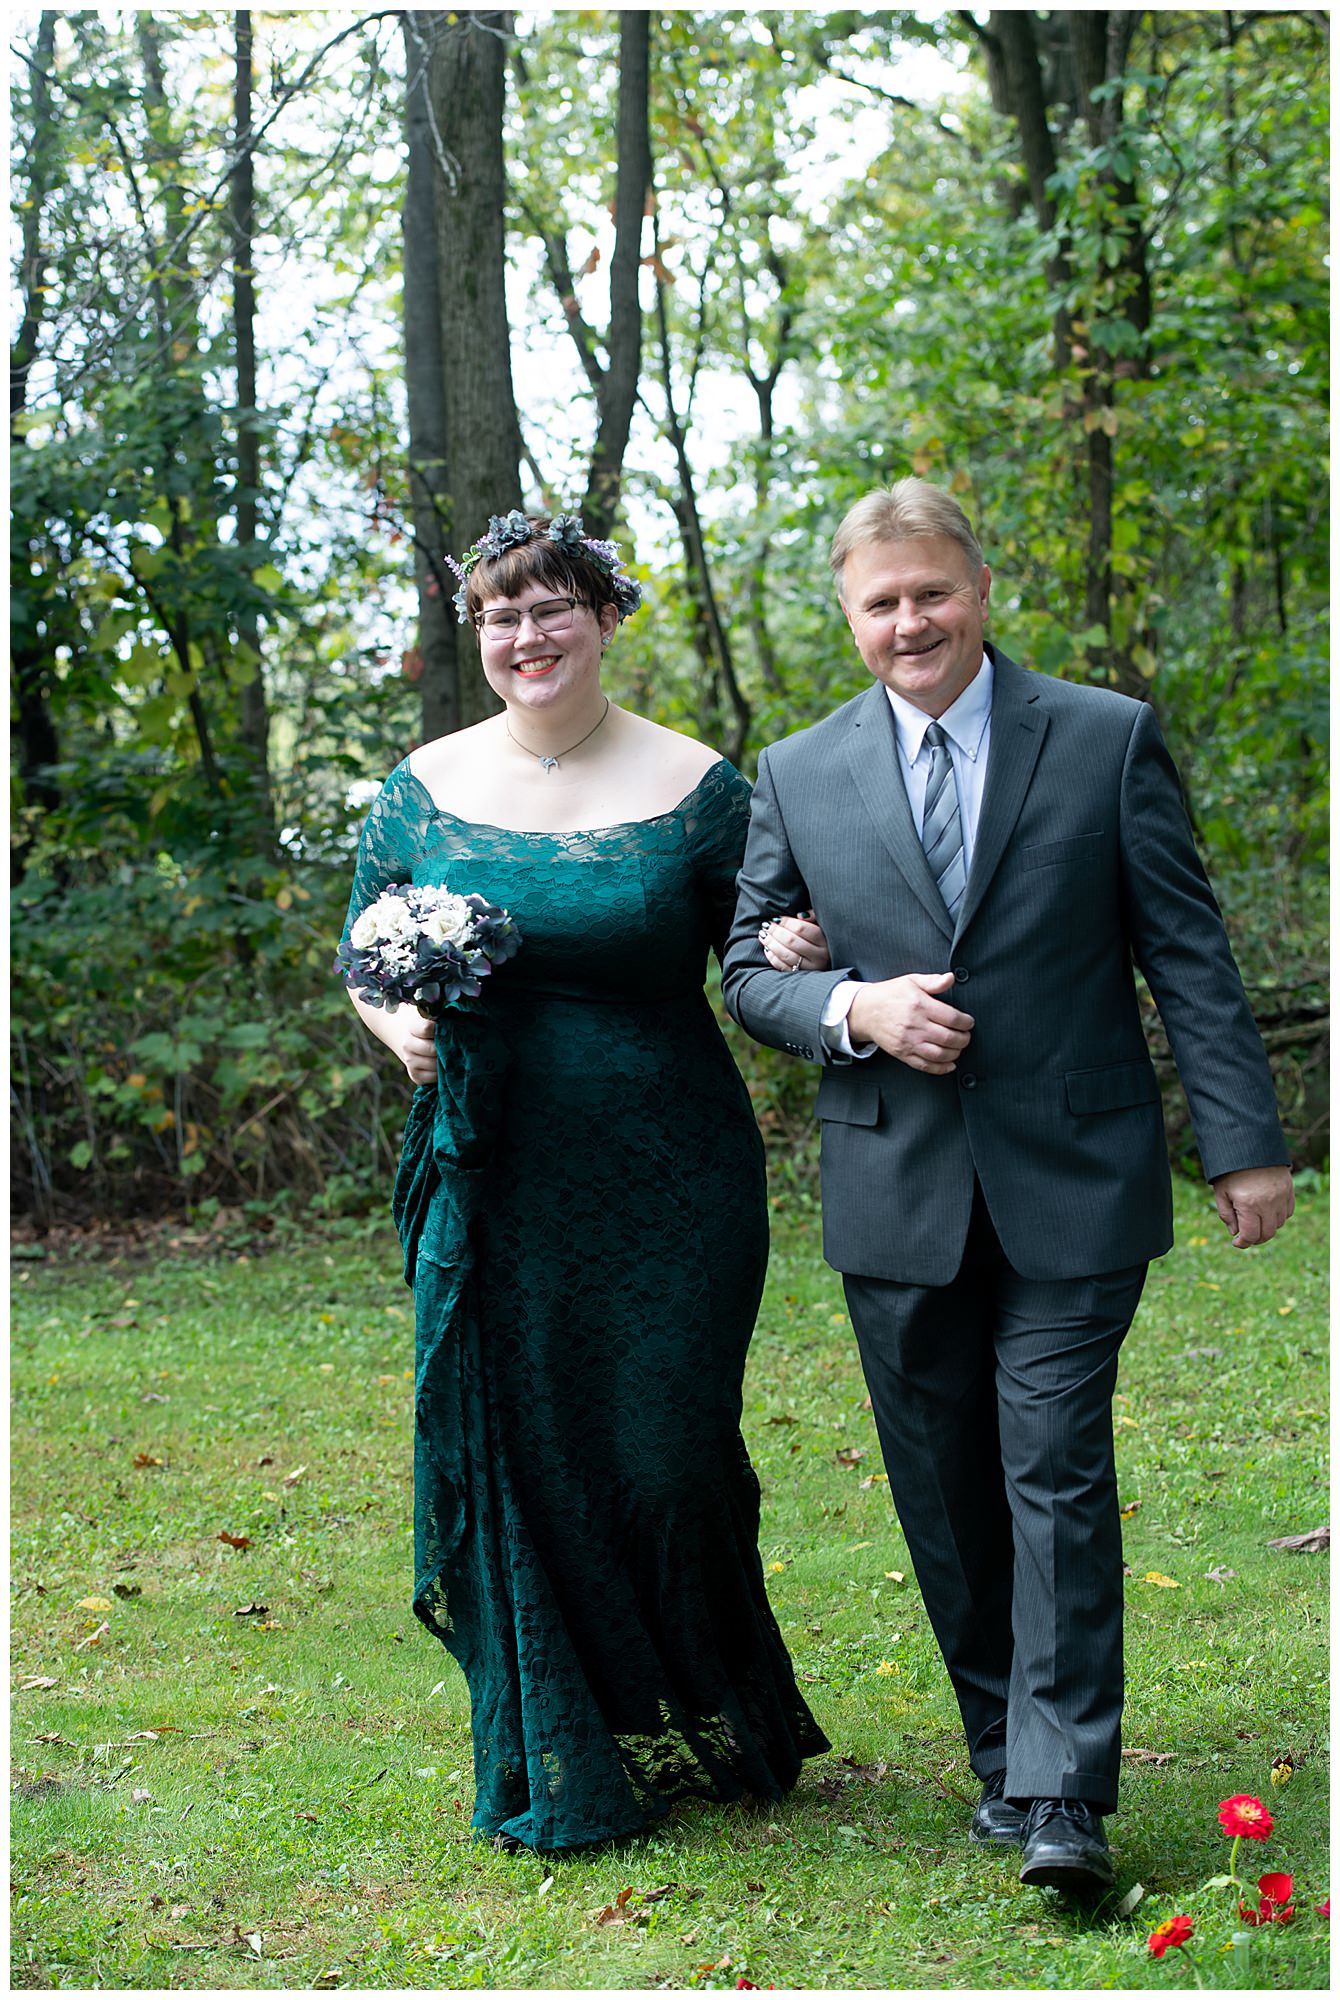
(303, 297)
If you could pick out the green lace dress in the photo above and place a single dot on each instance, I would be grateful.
(581, 1204)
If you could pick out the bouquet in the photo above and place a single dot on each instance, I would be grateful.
(428, 947)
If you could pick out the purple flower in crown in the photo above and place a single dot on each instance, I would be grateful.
(513, 531)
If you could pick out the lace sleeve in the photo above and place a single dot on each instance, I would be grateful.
(715, 828)
(391, 840)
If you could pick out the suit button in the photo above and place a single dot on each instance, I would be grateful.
(967, 1080)
(961, 974)
(809, 1053)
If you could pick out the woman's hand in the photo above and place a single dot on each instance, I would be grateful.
(418, 1050)
(794, 944)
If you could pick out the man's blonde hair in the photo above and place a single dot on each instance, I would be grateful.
(901, 512)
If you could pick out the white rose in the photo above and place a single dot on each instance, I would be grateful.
(395, 919)
(451, 921)
(364, 930)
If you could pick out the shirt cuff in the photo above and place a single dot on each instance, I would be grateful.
(833, 1030)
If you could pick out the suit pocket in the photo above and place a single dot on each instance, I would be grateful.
(846, 1098)
(1115, 1087)
(1047, 853)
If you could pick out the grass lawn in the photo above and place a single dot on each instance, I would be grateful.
(248, 1766)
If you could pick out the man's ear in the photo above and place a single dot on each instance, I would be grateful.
(984, 592)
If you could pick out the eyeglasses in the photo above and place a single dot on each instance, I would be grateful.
(551, 614)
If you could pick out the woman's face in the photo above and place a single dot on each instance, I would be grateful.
(541, 666)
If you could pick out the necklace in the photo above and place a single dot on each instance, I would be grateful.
(551, 763)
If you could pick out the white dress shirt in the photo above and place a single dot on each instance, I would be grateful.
(967, 726)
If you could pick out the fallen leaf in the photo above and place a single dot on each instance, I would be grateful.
(1163, 1582)
(1149, 1756)
(143, 1458)
(36, 1682)
(1131, 1507)
(871, 1773)
(1282, 1769)
(545, 1886)
(94, 1638)
(265, 1459)
(617, 1911)
(849, 1454)
(251, 1611)
(873, 1479)
(292, 1478)
(325, 1980)
(140, 1797)
(269, 1625)
(894, 1575)
(96, 1604)
(1219, 1574)
(49, 1736)
(785, 1418)
(1304, 1545)
(308, 1816)
(233, 1541)
(666, 1889)
(143, 1736)
(126, 1590)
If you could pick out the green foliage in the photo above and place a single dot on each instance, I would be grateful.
(852, 271)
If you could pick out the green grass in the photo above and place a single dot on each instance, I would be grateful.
(307, 1785)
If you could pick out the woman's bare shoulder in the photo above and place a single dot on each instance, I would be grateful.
(439, 763)
(677, 755)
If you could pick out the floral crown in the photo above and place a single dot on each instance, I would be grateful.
(513, 531)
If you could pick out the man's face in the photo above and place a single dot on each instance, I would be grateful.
(917, 612)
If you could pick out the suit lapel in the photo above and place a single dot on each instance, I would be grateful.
(872, 752)
(1018, 726)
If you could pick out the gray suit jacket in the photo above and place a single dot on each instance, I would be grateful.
(1084, 867)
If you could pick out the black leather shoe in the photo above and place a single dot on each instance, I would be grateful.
(996, 1823)
(1064, 1845)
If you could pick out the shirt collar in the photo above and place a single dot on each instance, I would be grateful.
(964, 720)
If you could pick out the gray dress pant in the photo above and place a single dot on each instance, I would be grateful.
(992, 1396)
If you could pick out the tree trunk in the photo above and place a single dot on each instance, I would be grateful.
(616, 390)
(426, 396)
(36, 745)
(253, 716)
(466, 92)
(710, 635)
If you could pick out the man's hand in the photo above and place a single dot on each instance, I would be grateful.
(1254, 1202)
(418, 1050)
(904, 1017)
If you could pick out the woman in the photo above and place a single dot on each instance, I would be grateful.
(581, 1203)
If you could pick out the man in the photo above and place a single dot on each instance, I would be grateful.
(991, 853)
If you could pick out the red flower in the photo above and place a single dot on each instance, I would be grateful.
(1172, 1931)
(1324, 1909)
(1276, 1901)
(1245, 1818)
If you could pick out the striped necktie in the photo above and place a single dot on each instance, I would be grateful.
(941, 827)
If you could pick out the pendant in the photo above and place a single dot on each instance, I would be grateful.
(548, 763)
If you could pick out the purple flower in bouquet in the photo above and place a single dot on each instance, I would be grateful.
(424, 947)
